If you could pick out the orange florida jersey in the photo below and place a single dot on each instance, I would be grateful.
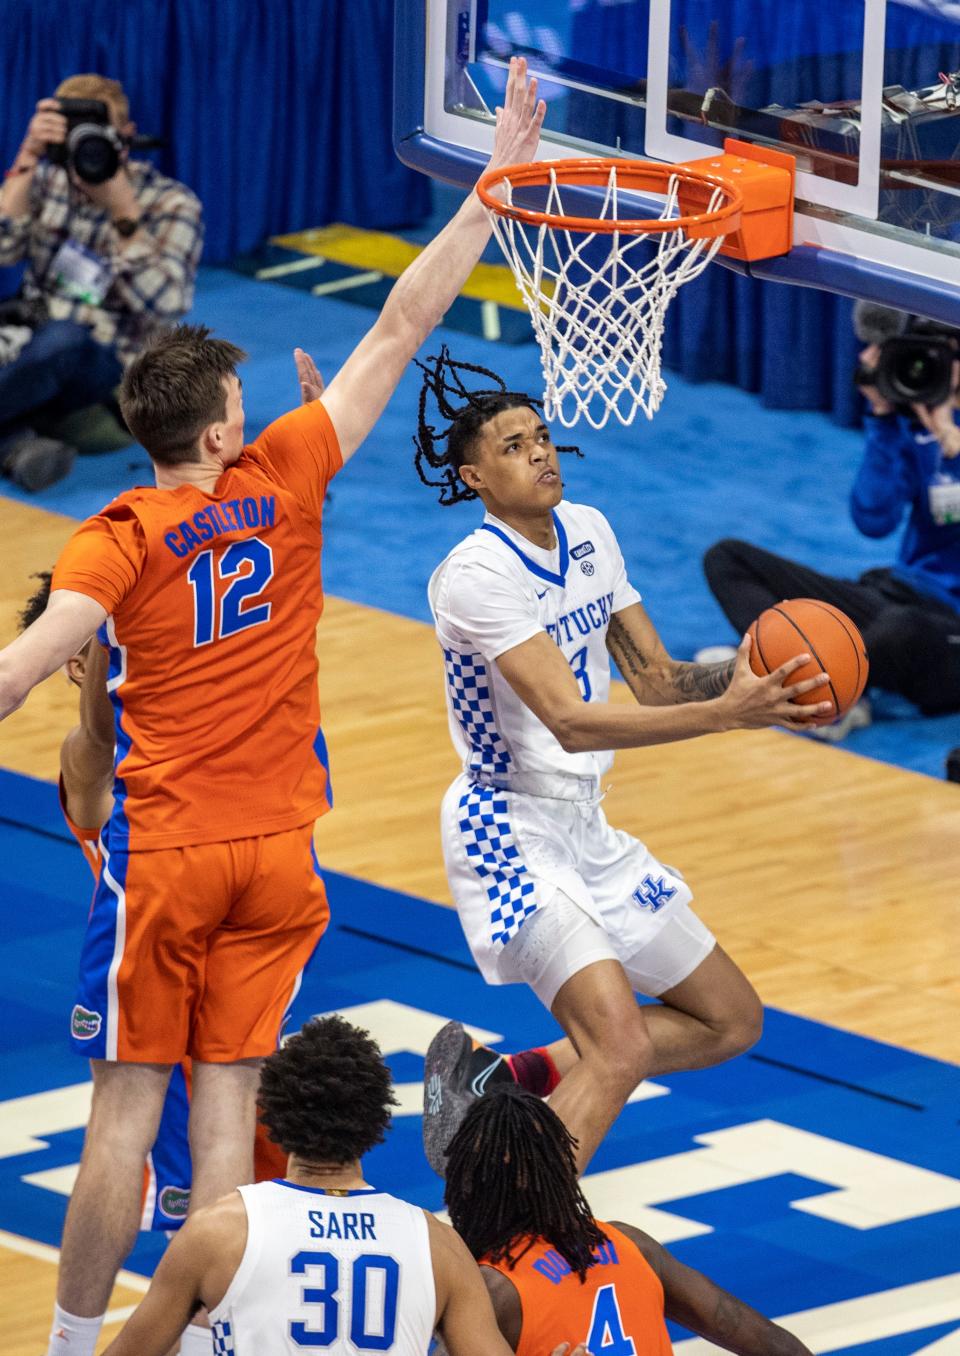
(213, 601)
(616, 1311)
(89, 839)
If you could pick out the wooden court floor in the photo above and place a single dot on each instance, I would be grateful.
(831, 879)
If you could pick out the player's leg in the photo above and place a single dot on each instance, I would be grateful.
(710, 1016)
(915, 650)
(566, 958)
(745, 580)
(253, 966)
(103, 1216)
(141, 972)
(223, 1108)
(598, 1010)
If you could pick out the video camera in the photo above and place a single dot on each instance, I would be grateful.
(93, 149)
(915, 363)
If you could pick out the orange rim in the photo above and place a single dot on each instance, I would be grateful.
(642, 176)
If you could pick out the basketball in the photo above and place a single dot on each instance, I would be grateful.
(804, 625)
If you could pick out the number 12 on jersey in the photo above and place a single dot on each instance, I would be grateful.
(235, 612)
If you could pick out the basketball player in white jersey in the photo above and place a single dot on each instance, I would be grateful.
(319, 1259)
(528, 610)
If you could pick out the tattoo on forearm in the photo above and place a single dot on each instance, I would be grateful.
(630, 660)
(727, 1316)
(701, 682)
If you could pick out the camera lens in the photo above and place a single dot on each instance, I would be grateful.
(94, 156)
(912, 374)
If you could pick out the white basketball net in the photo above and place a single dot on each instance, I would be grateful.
(600, 327)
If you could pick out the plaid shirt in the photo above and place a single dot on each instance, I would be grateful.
(152, 275)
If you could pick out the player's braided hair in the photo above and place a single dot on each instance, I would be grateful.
(512, 1178)
(37, 605)
(465, 412)
(326, 1094)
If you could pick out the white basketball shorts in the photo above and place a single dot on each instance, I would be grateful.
(546, 887)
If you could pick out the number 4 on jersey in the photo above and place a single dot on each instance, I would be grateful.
(607, 1337)
(235, 612)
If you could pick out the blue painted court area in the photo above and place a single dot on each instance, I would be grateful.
(819, 1170)
(713, 463)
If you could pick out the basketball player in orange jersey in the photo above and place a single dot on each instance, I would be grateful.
(209, 902)
(550, 1267)
(86, 800)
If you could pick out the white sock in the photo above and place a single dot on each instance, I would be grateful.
(195, 1341)
(71, 1335)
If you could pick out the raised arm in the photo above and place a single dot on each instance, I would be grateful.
(544, 681)
(692, 1299)
(86, 756)
(64, 628)
(423, 293)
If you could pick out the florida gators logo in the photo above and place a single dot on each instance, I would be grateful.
(174, 1201)
(84, 1024)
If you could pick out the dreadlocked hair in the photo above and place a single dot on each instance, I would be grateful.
(37, 605)
(465, 412)
(512, 1179)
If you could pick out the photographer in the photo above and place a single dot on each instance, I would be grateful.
(112, 248)
(909, 612)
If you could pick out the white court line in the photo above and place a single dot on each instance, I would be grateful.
(119, 1315)
(43, 1252)
(344, 284)
(869, 1318)
(295, 266)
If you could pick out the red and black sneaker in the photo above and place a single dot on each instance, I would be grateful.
(457, 1070)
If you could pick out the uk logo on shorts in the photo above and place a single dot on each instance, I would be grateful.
(653, 894)
(84, 1024)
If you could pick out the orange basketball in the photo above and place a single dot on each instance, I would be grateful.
(806, 626)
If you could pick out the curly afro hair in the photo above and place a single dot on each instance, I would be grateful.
(326, 1094)
(38, 603)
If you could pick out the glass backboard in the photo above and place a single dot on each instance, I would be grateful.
(864, 93)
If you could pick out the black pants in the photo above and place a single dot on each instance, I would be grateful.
(913, 641)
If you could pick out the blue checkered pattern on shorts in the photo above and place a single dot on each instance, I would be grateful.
(493, 854)
(469, 685)
(222, 1335)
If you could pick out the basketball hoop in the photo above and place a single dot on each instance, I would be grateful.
(597, 288)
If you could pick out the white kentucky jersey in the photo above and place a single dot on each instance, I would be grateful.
(348, 1273)
(494, 591)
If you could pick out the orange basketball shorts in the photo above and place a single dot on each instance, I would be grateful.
(198, 950)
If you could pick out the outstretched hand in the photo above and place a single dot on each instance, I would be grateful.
(519, 120)
(308, 375)
(939, 420)
(752, 702)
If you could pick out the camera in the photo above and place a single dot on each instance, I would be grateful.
(912, 369)
(93, 148)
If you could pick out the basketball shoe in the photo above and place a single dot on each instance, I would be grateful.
(457, 1070)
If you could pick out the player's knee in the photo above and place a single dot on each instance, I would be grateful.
(742, 1028)
(626, 1058)
(717, 557)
